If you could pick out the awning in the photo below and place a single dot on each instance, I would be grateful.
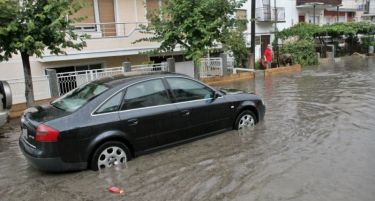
(368, 15)
(96, 54)
(341, 9)
(325, 2)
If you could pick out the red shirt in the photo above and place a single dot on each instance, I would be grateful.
(268, 54)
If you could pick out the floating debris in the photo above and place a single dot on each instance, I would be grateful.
(116, 190)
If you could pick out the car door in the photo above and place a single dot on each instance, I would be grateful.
(202, 112)
(147, 112)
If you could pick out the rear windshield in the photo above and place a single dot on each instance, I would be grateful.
(75, 99)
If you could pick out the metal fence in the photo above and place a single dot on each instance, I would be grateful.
(149, 68)
(211, 67)
(40, 84)
(71, 80)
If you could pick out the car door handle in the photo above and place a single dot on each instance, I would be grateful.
(133, 122)
(185, 113)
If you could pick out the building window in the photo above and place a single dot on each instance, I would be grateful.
(87, 12)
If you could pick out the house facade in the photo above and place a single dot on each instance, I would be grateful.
(330, 11)
(269, 15)
(369, 11)
(286, 13)
(113, 26)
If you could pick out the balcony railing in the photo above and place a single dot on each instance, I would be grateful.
(108, 30)
(267, 14)
(328, 2)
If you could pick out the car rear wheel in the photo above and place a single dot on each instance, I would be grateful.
(246, 119)
(110, 154)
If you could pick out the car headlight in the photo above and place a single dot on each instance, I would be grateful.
(263, 103)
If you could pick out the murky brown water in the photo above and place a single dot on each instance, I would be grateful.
(317, 143)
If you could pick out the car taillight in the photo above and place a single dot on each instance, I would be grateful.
(46, 134)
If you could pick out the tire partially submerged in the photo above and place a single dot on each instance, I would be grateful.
(108, 154)
(245, 119)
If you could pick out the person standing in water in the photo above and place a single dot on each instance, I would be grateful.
(268, 56)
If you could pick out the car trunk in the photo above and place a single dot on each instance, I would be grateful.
(33, 118)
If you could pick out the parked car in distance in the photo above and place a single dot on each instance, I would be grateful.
(115, 119)
(5, 101)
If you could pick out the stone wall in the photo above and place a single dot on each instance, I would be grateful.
(228, 78)
(282, 70)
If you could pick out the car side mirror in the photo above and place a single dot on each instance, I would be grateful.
(216, 95)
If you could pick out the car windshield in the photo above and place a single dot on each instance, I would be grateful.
(75, 99)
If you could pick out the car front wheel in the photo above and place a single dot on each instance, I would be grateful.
(246, 119)
(109, 154)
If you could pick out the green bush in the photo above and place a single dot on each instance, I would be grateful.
(258, 65)
(302, 51)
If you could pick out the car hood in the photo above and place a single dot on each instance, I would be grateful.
(232, 91)
(43, 114)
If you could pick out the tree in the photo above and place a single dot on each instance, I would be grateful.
(7, 9)
(350, 30)
(37, 26)
(193, 25)
(234, 40)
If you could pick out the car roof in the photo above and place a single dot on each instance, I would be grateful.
(120, 79)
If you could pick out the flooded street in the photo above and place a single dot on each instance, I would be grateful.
(317, 143)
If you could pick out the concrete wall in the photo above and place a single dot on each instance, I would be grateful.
(186, 68)
(40, 85)
(13, 68)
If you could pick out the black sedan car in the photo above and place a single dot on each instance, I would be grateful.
(117, 118)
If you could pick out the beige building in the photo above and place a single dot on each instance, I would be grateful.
(113, 26)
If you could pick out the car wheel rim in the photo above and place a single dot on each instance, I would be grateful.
(111, 156)
(246, 121)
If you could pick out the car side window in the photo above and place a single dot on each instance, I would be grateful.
(146, 94)
(111, 105)
(188, 90)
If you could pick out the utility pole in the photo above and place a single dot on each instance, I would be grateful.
(253, 31)
(275, 33)
(314, 12)
(338, 12)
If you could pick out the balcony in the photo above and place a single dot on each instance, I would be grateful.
(107, 40)
(108, 30)
(267, 14)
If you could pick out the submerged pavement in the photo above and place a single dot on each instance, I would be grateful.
(317, 143)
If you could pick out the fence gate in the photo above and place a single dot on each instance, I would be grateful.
(71, 80)
(211, 67)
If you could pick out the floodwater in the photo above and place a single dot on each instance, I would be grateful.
(317, 143)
